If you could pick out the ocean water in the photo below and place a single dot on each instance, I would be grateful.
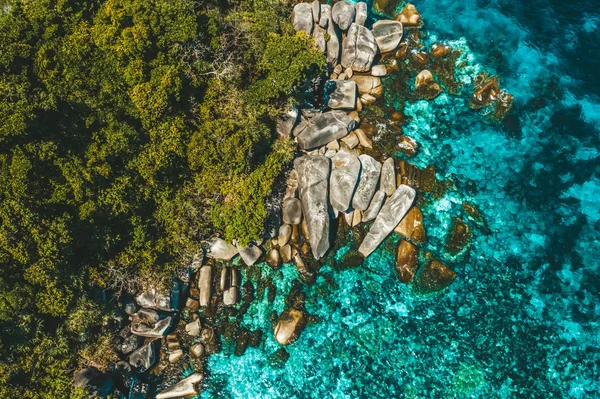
(522, 318)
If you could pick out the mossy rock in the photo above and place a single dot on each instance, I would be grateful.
(459, 236)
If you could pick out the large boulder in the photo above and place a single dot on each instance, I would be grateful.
(344, 176)
(388, 176)
(407, 261)
(320, 40)
(152, 299)
(434, 277)
(359, 48)
(313, 179)
(343, 14)
(367, 184)
(185, 388)
(341, 94)
(289, 326)
(302, 17)
(291, 211)
(94, 381)
(324, 128)
(368, 84)
(219, 249)
(459, 236)
(159, 329)
(361, 13)
(387, 35)
(390, 215)
(205, 285)
(333, 44)
(316, 11)
(144, 358)
(250, 254)
(374, 207)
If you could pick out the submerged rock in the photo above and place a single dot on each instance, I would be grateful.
(342, 94)
(407, 261)
(434, 277)
(459, 236)
(409, 16)
(313, 177)
(412, 226)
(374, 207)
(185, 388)
(367, 184)
(344, 177)
(278, 359)
(289, 326)
(408, 146)
(388, 176)
(219, 249)
(302, 17)
(324, 128)
(387, 35)
(390, 215)
(359, 48)
(343, 13)
(426, 86)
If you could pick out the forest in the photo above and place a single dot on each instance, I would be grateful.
(130, 132)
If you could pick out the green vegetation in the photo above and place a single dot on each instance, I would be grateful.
(130, 131)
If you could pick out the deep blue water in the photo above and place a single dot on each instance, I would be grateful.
(522, 318)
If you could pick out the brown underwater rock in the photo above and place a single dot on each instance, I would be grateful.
(289, 326)
(459, 236)
(409, 16)
(434, 277)
(425, 85)
(412, 227)
(407, 261)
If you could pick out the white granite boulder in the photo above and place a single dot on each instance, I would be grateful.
(313, 178)
(302, 17)
(367, 183)
(374, 207)
(344, 177)
(387, 34)
(324, 128)
(219, 249)
(390, 215)
(359, 48)
(388, 176)
(342, 94)
(361, 13)
(343, 13)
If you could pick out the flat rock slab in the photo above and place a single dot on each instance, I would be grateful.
(341, 93)
(374, 207)
(343, 13)
(324, 128)
(250, 254)
(155, 300)
(292, 211)
(359, 48)
(159, 329)
(302, 17)
(344, 177)
(185, 388)
(144, 357)
(390, 215)
(367, 184)
(387, 35)
(313, 178)
(219, 249)
(205, 285)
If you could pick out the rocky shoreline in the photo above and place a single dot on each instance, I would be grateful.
(348, 176)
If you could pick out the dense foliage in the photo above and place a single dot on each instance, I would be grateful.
(130, 131)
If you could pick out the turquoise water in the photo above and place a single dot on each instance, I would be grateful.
(521, 320)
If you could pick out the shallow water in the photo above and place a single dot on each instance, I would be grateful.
(521, 320)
